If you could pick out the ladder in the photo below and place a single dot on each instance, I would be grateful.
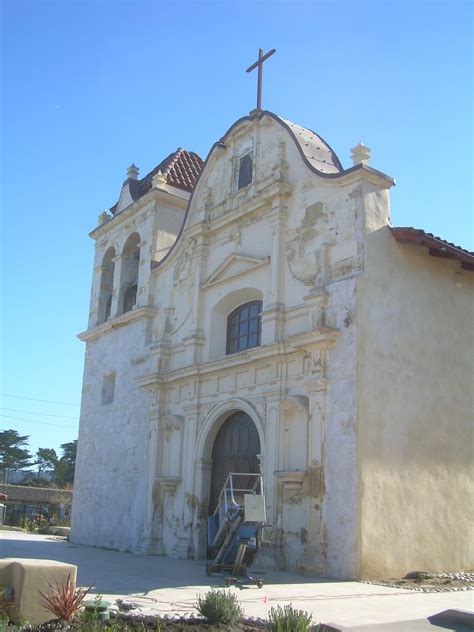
(235, 528)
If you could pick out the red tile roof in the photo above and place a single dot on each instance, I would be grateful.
(437, 247)
(35, 495)
(182, 168)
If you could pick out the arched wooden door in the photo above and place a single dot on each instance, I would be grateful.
(235, 450)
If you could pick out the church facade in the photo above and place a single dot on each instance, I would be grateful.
(257, 312)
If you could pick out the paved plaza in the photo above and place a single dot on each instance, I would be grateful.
(165, 586)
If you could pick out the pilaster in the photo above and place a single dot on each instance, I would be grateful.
(201, 487)
(272, 316)
(148, 544)
(185, 545)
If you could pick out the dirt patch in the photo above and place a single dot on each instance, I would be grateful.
(141, 623)
(149, 623)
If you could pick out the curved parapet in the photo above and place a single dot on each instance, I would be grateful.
(315, 152)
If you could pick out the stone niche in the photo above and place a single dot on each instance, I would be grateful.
(294, 434)
(291, 479)
(170, 448)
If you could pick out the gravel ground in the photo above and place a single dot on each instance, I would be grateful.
(422, 581)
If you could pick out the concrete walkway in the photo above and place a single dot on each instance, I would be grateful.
(162, 586)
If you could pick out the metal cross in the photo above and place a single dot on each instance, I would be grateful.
(259, 64)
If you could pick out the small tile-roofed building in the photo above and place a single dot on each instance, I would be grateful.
(23, 501)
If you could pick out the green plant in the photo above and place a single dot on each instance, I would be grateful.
(43, 526)
(7, 626)
(29, 525)
(92, 615)
(288, 619)
(6, 601)
(219, 606)
(3, 620)
(64, 600)
(7, 605)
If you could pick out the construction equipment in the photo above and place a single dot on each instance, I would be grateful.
(235, 529)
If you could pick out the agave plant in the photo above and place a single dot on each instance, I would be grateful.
(64, 600)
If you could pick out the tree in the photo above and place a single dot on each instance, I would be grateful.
(31, 480)
(13, 456)
(46, 459)
(64, 470)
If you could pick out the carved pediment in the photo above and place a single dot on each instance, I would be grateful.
(235, 265)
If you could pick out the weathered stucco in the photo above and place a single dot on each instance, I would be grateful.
(158, 383)
(415, 409)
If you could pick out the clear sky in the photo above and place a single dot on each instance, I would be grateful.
(90, 86)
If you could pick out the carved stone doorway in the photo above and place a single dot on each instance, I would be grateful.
(235, 449)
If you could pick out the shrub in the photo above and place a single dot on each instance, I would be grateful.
(64, 600)
(6, 599)
(288, 619)
(29, 525)
(219, 606)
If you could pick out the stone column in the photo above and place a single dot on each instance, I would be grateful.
(272, 314)
(116, 292)
(185, 546)
(313, 560)
(195, 340)
(144, 273)
(272, 431)
(269, 556)
(147, 543)
(202, 484)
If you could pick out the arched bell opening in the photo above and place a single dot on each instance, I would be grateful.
(129, 279)
(106, 286)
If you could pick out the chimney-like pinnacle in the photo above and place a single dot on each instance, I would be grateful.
(132, 172)
(360, 155)
(159, 180)
(103, 217)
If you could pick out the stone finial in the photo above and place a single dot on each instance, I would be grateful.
(132, 172)
(159, 180)
(360, 155)
(103, 217)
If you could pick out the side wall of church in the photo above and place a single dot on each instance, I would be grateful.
(108, 503)
(415, 409)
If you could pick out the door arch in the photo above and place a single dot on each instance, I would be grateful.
(235, 449)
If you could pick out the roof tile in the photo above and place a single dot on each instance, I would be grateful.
(35, 495)
(437, 247)
(182, 168)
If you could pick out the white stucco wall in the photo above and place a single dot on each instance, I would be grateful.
(108, 506)
(415, 373)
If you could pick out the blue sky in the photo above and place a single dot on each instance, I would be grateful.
(90, 86)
